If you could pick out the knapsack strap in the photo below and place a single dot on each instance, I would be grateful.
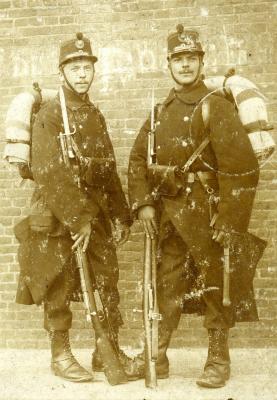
(206, 112)
(206, 120)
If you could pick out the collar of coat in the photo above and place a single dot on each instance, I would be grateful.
(188, 96)
(74, 101)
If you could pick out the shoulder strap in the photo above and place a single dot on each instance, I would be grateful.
(206, 112)
(157, 111)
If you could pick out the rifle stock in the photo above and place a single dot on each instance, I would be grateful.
(150, 312)
(112, 367)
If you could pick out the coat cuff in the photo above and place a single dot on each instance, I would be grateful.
(76, 223)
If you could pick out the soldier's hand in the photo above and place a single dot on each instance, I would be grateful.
(122, 233)
(146, 215)
(221, 237)
(82, 237)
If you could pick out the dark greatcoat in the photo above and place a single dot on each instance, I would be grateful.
(179, 131)
(100, 199)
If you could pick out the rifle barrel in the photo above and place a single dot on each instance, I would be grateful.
(150, 366)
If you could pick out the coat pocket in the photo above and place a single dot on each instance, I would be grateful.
(41, 218)
(99, 171)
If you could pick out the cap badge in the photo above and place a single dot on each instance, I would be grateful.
(187, 40)
(79, 44)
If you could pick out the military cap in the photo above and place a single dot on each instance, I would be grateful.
(76, 48)
(183, 41)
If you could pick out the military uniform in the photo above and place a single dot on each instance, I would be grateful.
(222, 180)
(98, 201)
(186, 215)
(86, 192)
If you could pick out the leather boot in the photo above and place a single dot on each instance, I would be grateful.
(63, 362)
(97, 363)
(162, 364)
(217, 367)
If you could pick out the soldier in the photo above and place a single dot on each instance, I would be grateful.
(76, 213)
(196, 207)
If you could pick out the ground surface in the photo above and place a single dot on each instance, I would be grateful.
(25, 375)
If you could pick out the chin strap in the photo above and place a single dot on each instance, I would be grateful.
(70, 86)
(196, 80)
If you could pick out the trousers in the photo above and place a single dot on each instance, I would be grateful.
(104, 273)
(176, 275)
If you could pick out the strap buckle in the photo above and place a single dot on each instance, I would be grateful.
(155, 316)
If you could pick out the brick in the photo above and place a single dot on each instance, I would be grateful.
(6, 315)
(5, 240)
(31, 21)
(7, 221)
(6, 249)
(50, 20)
(150, 4)
(13, 211)
(19, 202)
(64, 2)
(6, 258)
(5, 4)
(5, 277)
(18, 3)
(67, 19)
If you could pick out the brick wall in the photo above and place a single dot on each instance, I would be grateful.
(129, 38)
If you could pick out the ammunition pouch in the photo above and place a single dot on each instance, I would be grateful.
(24, 170)
(99, 171)
(41, 218)
(165, 179)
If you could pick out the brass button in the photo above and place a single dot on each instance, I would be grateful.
(184, 143)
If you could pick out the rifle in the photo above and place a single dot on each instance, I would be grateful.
(226, 278)
(112, 367)
(151, 314)
(103, 312)
(151, 151)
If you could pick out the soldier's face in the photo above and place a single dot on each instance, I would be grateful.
(185, 67)
(79, 74)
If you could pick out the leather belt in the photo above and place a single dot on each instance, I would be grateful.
(191, 177)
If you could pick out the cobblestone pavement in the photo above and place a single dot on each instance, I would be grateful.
(25, 375)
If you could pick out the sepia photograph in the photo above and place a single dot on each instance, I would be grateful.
(138, 193)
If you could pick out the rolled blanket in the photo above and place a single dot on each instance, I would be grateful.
(18, 124)
(251, 106)
(18, 129)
